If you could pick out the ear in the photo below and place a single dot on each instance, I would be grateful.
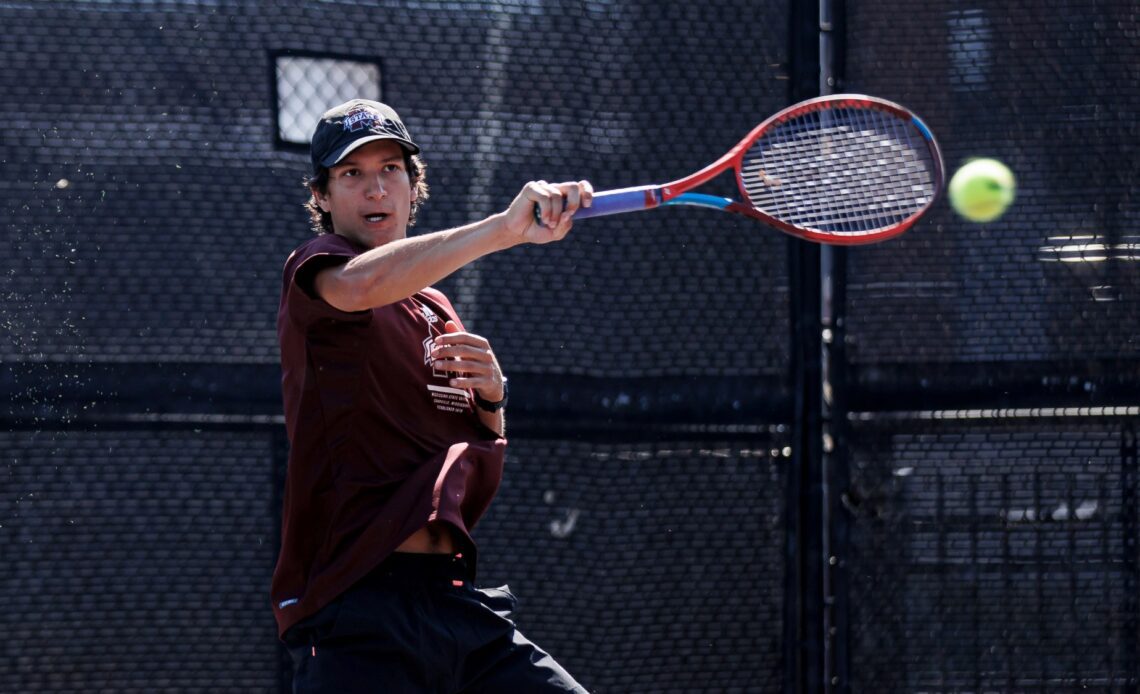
(321, 198)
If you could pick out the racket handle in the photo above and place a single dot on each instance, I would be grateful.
(618, 201)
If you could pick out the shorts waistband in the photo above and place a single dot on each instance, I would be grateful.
(421, 567)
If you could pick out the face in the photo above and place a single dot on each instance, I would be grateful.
(370, 194)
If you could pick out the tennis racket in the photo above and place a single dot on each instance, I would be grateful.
(841, 169)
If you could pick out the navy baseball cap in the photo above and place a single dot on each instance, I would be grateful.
(354, 123)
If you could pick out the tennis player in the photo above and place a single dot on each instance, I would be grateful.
(395, 418)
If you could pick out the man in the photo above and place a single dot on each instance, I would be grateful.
(395, 417)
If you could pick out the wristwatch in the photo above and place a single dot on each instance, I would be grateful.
(489, 406)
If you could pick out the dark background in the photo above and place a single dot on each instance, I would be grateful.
(672, 517)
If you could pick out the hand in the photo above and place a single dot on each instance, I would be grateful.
(556, 204)
(470, 359)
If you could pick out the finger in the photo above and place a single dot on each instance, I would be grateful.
(535, 193)
(572, 195)
(557, 205)
(481, 384)
(447, 339)
(587, 189)
(470, 370)
(462, 352)
(548, 199)
(564, 226)
(565, 223)
(453, 334)
(467, 370)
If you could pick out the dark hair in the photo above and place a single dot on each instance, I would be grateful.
(322, 221)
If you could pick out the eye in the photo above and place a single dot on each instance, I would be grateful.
(350, 172)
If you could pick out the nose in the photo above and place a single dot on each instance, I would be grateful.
(376, 189)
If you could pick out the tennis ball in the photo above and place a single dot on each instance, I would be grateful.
(982, 189)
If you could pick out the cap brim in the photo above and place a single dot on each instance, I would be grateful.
(334, 158)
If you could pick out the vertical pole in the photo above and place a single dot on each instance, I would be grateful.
(1129, 474)
(835, 461)
(804, 560)
(279, 459)
(805, 511)
(836, 464)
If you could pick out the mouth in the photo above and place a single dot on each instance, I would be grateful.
(375, 218)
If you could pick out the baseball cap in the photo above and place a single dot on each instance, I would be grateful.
(345, 127)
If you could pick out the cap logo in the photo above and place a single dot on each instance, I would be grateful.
(365, 119)
(359, 119)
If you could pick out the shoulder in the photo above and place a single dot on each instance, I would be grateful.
(324, 244)
(319, 252)
(440, 299)
(436, 296)
(309, 259)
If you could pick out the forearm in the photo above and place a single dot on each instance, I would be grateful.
(397, 269)
(400, 268)
(495, 421)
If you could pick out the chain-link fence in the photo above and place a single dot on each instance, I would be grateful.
(152, 158)
(994, 368)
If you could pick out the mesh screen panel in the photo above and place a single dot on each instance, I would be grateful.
(157, 117)
(137, 561)
(624, 571)
(994, 556)
(993, 552)
(148, 211)
(148, 215)
(1051, 89)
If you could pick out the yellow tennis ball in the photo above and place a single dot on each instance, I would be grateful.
(982, 189)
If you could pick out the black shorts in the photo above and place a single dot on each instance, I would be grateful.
(416, 624)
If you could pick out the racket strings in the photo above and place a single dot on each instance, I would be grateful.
(840, 182)
(823, 167)
(846, 171)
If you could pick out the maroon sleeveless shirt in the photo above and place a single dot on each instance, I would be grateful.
(379, 443)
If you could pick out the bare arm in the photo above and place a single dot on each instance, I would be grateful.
(400, 268)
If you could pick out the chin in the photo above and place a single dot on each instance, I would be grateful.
(373, 237)
(382, 237)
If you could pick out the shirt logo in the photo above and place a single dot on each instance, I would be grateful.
(446, 398)
(428, 361)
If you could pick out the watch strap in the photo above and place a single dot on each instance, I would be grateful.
(487, 405)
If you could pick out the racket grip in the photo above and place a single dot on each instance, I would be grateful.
(617, 201)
